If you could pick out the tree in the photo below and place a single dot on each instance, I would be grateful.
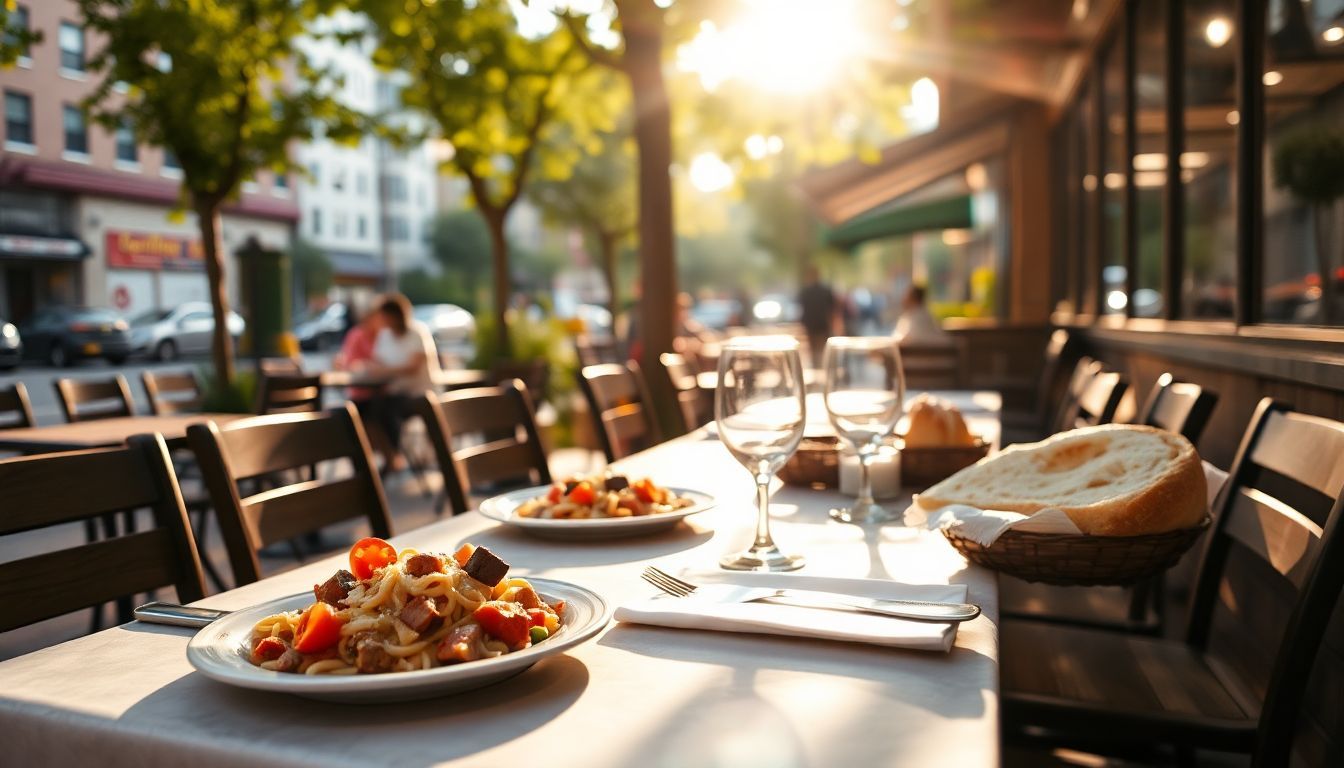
(224, 86)
(496, 96)
(599, 197)
(311, 268)
(461, 245)
(14, 39)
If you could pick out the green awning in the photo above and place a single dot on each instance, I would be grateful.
(947, 213)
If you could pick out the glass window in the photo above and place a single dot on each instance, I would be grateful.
(394, 187)
(1113, 182)
(18, 19)
(170, 159)
(1088, 192)
(362, 183)
(282, 181)
(18, 118)
(398, 229)
(72, 46)
(76, 132)
(127, 151)
(1150, 159)
(1208, 165)
(1303, 262)
(317, 221)
(339, 224)
(362, 227)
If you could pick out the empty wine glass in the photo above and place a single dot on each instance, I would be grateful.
(760, 412)
(864, 389)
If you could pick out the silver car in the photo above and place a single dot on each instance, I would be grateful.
(187, 329)
(453, 327)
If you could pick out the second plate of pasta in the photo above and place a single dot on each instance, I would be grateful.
(519, 509)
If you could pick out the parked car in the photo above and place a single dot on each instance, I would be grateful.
(189, 328)
(62, 335)
(776, 308)
(324, 329)
(717, 314)
(11, 346)
(453, 327)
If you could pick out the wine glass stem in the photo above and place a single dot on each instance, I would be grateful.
(865, 481)
(763, 540)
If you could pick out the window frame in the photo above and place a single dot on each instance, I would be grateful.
(68, 109)
(31, 141)
(81, 66)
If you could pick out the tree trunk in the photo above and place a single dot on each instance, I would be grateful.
(221, 347)
(606, 243)
(503, 281)
(653, 135)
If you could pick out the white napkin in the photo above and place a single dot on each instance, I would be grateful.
(696, 612)
(985, 526)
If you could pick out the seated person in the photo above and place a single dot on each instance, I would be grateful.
(916, 327)
(404, 351)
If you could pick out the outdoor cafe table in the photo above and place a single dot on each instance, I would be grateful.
(105, 433)
(635, 695)
(456, 378)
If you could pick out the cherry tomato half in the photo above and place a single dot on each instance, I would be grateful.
(319, 629)
(368, 555)
(583, 493)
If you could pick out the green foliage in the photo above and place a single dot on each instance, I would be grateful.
(461, 246)
(1310, 164)
(423, 287)
(537, 337)
(14, 40)
(220, 396)
(312, 268)
(600, 195)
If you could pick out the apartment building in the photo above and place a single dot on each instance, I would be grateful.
(85, 214)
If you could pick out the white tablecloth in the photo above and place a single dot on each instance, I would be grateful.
(635, 695)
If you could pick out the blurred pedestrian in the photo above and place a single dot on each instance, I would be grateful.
(917, 326)
(817, 303)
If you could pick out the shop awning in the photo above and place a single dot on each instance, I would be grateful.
(944, 213)
(355, 267)
(44, 248)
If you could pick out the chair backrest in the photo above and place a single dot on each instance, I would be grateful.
(1178, 406)
(484, 437)
(170, 393)
(1099, 400)
(1057, 351)
(621, 408)
(39, 494)
(593, 351)
(287, 393)
(1066, 409)
(87, 400)
(931, 366)
(695, 405)
(287, 366)
(1273, 567)
(16, 410)
(535, 374)
(270, 445)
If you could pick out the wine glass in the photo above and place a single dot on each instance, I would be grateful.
(864, 390)
(760, 412)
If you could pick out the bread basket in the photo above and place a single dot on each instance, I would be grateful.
(1077, 559)
(816, 463)
(928, 465)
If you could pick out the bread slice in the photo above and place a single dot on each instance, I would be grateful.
(1113, 480)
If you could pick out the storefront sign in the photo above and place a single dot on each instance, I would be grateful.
(138, 250)
(41, 247)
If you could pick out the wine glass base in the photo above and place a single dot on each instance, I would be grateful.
(860, 514)
(762, 560)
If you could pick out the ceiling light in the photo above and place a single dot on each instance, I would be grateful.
(1194, 159)
(1090, 183)
(1150, 179)
(1150, 161)
(1273, 77)
(1233, 117)
(977, 178)
(956, 236)
(1218, 31)
(1333, 34)
(1113, 181)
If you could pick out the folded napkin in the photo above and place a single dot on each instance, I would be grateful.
(703, 612)
(985, 526)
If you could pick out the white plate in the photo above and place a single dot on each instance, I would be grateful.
(220, 652)
(501, 509)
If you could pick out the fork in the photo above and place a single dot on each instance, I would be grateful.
(916, 610)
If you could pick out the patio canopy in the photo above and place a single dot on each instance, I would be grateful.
(944, 213)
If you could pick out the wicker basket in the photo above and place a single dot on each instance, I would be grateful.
(816, 464)
(1078, 560)
(922, 467)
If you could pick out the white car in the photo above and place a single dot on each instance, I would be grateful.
(453, 327)
(187, 329)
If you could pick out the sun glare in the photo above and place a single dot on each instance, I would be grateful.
(779, 46)
(708, 173)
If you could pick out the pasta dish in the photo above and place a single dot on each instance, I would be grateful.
(602, 496)
(403, 611)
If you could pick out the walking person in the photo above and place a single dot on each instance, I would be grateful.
(817, 303)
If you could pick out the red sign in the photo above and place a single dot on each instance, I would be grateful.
(121, 298)
(138, 250)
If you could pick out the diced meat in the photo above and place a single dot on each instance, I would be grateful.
(268, 649)
(527, 597)
(337, 588)
(371, 656)
(617, 482)
(460, 644)
(289, 661)
(485, 567)
(570, 485)
(419, 614)
(424, 564)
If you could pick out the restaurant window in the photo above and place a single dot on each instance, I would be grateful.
(1088, 184)
(1150, 159)
(1208, 164)
(1069, 167)
(1114, 298)
(18, 20)
(76, 131)
(71, 40)
(1303, 195)
(127, 151)
(18, 118)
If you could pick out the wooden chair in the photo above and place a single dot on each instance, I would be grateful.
(696, 408)
(1178, 406)
(1270, 578)
(172, 393)
(485, 438)
(269, 446)
(16, 410)
(619, 402)
(535, 374)
(593, 351)
(279, 366)
(87, 400)
(1099, 400)
(1058, 351)
(39, 493)
(931, 366)
(289, 393)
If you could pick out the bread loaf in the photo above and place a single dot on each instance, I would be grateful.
(1113, 480)
(936, 423)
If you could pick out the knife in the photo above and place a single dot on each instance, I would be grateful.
(177, 615)
(914, 610)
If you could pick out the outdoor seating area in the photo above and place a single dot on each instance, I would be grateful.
(772, 383)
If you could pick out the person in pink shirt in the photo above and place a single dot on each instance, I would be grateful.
(357, 353)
